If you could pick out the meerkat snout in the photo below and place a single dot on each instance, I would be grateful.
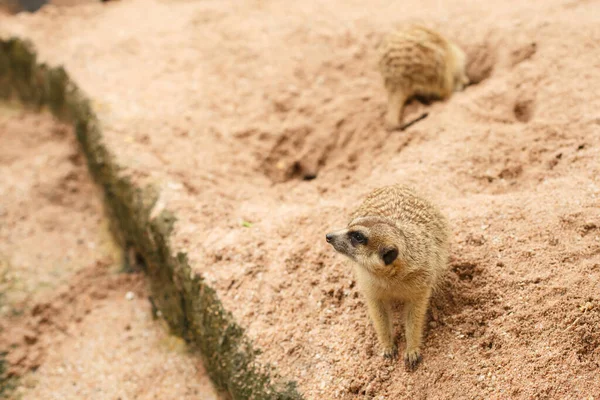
(342, 242)
(398, 244)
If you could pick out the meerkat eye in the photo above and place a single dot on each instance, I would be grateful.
(357, 238)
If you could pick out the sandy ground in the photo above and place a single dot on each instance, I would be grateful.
(228, 105)
(72, 323)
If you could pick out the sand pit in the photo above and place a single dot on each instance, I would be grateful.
(73, 324)
(262, 124)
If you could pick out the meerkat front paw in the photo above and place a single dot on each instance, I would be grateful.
(461, 84)
(390, 353)
(412, 358)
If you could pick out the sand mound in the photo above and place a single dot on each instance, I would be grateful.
(262, 122)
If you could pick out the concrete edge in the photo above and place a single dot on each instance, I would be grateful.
(190, 306)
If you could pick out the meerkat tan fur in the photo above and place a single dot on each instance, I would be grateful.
(399, 245)
(417, 61)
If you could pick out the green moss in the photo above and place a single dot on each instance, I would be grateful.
(56, 85)
(190, 306)
(5, 87)
(7, 383)
(22, 69)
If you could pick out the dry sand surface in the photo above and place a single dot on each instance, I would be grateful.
(67, 312)
(228, 104)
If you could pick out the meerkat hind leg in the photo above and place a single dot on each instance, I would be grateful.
(379, 311)
(414, 319)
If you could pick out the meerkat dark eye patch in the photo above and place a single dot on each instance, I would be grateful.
(389, 255)
(357, 238)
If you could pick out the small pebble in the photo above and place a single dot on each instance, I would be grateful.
(130, 296)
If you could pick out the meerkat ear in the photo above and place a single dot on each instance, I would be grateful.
(389, 254)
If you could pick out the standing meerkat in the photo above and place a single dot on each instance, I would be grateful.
(418, 61)
(399, 244)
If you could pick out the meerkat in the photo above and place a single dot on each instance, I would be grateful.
(399, 245)
(418, 61)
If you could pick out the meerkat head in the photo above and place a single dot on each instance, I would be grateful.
(372, 242)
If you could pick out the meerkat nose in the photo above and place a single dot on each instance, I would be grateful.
(329, 237)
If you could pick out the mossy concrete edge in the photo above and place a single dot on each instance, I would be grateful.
(190, 306)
